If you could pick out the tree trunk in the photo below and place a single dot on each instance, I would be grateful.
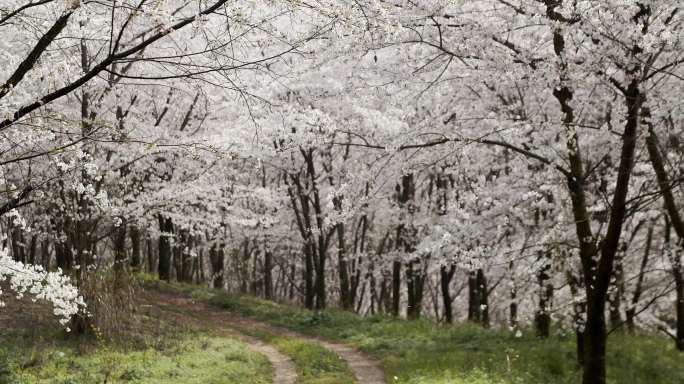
(216, 257)
(320, 282)
(676, 223)
(445, 280)
(396, 288)
(415, 282)
(164, 266)
(120, 259)
(346, 299)
(150, 255)
(617, 291)
(679, 337)
(542, 318)
(309, 293)
(478, 297)
(136, 257)
(268, 275)
(513, 306)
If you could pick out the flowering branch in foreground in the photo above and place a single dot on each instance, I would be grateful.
(35, 281)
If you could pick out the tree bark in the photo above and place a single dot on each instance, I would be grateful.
(268, 274)
(446, 276)
(542, 318)
(638, 289)
(676, 222)
(164, 264)
(136, 256)
(216, 257)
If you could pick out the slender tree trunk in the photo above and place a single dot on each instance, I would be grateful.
(309, 293)
(617, 291)
(45, 254)
(679, 305)
(149, 257)
(631, 311)
(396, 288)
(33, 250)
(543, 316)
(473, 298)
(217, 259)
(478, 298)
(484, 297)
(320, 283)
(445, 280)
(675, 222)
(268, 274)
(513, 306)
(415, 281)
(164, 265)
(120, 259)
(346, 299)
(136, 256)
(200, 266)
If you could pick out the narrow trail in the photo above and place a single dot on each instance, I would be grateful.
(284, 371)
(366, 369)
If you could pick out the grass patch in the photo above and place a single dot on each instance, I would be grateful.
(421, 352)
(192, 360)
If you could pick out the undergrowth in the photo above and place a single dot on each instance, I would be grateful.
(422, 352)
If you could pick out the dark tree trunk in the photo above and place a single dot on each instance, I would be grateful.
(346, 299)
(136, 257)
(396, 288)
(638, 289)
(186, 260)
(446, 274)
(45, 254)
(320, 283)
(309, 293)
(64, 256)
(617, 291)
(268, 275)
(478, 298)
(150, 254)
(578, 309)
(164, 266)
(33, 250)
(675, 222)
(216, 257)
(120, 258)
(415, 284)
(513, 306)
(405, 192)
(473, 297)
(542, 318)
(200, 266)
(484, 297)
(597, 287)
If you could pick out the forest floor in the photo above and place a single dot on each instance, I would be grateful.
(422, 352)
(191, 334)
(175, 339)
(358, 367)
(34, 348)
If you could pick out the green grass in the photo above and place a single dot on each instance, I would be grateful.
(422, 352)
(192, 359)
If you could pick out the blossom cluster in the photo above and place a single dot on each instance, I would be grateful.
(40, 284)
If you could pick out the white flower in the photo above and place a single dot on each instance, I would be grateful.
(41, 284)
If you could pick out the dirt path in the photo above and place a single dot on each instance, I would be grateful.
(198, 316)
(365, 368)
